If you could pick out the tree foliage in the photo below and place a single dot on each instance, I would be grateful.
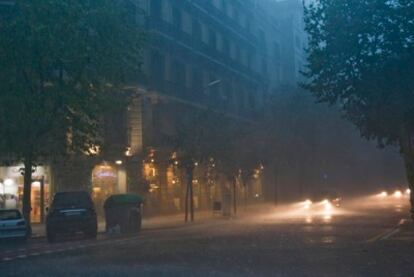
(361, 57)
(60, 61)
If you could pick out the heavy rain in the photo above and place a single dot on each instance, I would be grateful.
(206, 138)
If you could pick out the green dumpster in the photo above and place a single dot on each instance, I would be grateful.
(123, 211)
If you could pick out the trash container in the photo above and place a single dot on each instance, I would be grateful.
(123, 213)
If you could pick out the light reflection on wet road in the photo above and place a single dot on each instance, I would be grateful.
(290, 239)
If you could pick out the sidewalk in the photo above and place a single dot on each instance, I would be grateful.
(156, 222)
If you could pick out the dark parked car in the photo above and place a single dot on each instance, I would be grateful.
(70, 213)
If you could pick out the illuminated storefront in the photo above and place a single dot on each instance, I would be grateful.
(107, 179)
(11, 190)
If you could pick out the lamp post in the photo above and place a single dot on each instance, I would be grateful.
(211, 84)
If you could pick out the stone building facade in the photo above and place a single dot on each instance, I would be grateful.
(220, 53)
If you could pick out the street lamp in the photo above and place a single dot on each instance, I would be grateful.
(211, 84)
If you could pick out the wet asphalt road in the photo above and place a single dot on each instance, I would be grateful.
(366, 237)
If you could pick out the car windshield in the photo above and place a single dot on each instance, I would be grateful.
(71, 199)
(10, 215)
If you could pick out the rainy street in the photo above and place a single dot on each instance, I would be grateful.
(206, 138)
(359, 238)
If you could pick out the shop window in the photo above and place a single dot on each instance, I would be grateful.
(11, 190)
(104, 184)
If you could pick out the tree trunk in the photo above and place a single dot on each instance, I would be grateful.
(187, 194)
(409, 168)
(190, 183)
(27, 189)
(189, 199)
(275, 185)
(408, 155)
(234, 195)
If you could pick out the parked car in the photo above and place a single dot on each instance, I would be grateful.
(71, 213)
(13, 225)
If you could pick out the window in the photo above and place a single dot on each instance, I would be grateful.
(242, 20)
(297, 41)
(157, 66)
(196, 30)
(264, 66)
(262, 38)
(236, 15)
(214, 90)
(226, 47)
(249, 59)
(276, 51)
(217, 4)
(177, 18)
(243, 56)
(187, 23)
(227, 93)
(232, 51)
(204, 33)
(241, 99)
(230, 10)
(219, 42)
(178, 73)
(197, 80)
(252, 101)
(212, 38)
(248, 25)
(237, 54)
(155, 8)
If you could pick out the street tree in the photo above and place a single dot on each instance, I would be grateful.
(60, 63)
(199, 136)
(361, 58)
(242, 154)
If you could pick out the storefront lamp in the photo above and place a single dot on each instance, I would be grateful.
(118, 162)
(8, 182)
(36, 184)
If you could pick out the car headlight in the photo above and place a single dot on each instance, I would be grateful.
(307, 204)
(397, 194)
(328, 206)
